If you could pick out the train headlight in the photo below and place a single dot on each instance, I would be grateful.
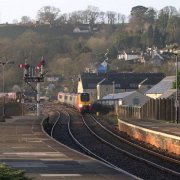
(80, 105)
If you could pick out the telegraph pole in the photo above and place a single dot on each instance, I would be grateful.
(38, 98)
(177, 99)
(3, 66)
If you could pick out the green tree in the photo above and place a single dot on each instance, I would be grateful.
(137, 19)
(150, 35)
(120, 40)
(157, 37)
(150, 16)
(178, 81)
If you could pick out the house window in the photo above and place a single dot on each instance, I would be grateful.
(132, 85)
(117, 85)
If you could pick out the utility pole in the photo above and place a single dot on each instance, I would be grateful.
(3, 66)
(177, 99)
(38, 99)
(113, 87)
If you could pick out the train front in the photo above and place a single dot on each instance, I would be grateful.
(84, 103)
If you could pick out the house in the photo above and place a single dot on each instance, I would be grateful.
(52, 78)
(103, 67)
(87, 82)
(129, 56)
(85, 28)
(133, 98)
(161, 88)
(104, 87)
(101, 84)
(81, 29)
(157, 59)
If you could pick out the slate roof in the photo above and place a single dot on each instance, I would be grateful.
(152, 78)
(163, 86)
(105, 81)
(91, 83)
(117, 95)
(122, 80)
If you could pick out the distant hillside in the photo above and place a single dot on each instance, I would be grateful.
(66, 53)
(13, 31)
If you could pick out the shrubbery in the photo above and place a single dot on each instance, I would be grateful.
(7, 173)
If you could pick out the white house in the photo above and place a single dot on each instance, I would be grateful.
(129, 56)
(85, 28)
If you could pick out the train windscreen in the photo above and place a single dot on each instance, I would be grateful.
(85, 97)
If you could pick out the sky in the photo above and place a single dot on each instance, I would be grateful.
(15, 9)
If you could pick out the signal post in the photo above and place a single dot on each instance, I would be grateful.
(34, 75)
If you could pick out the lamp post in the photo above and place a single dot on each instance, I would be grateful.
(3, 66)
(177, 99)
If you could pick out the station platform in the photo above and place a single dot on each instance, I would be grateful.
(24, 145)
(161, 134)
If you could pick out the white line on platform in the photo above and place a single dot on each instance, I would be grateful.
(26, 164)
(56, 159)
(61, 175)
(50, 154)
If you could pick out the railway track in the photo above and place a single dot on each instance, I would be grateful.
(113, 150)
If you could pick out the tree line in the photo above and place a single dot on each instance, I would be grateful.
(67, 54)
(144, 26)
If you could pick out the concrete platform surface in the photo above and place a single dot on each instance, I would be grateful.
(23, 145)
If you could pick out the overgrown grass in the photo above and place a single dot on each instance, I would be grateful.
(7, 173)
(111, 118)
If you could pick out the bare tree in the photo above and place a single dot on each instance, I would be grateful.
(77, 17)
(48, 14)
(102, 17)
(121, 18)
(111, 17)
(25, 20)
(63, 19)
(92, 14)
(164, 15)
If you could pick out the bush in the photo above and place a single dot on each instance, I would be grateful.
(103, 109)
(7, 173)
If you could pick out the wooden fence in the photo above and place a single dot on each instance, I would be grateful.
(160, 109)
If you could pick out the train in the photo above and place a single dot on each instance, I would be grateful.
(81, 101)
(11, 96)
